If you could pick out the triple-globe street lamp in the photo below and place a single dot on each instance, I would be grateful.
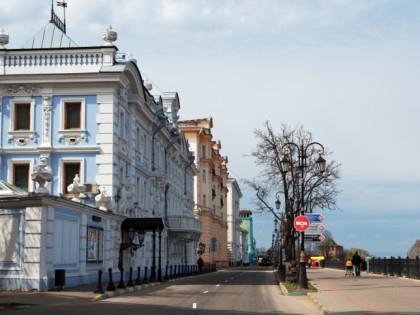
(285, 166)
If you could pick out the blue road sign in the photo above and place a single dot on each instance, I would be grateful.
(314, 217)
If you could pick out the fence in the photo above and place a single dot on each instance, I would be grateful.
(401, 267)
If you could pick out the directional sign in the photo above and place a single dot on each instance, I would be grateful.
(314, 237)
(301, 223)
(314, 217)
(315, 228)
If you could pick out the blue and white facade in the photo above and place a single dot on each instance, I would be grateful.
(86, 111)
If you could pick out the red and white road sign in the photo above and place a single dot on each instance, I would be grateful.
(301, 223)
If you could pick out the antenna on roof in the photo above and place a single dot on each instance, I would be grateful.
(55, 19)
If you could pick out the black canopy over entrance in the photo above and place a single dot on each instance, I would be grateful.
(142, 225)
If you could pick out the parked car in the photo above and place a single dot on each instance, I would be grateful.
(263, 261)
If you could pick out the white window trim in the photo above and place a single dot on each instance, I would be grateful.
(61, 163)
(72, 136)
(21, 137)
(11, 162)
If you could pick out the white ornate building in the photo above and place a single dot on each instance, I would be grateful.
(99, 157)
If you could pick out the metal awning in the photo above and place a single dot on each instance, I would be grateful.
(143, 224)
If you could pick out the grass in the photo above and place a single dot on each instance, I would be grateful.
(293, 287)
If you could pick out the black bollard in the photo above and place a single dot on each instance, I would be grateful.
(170, 272)
(130, 282)
(175, 275)
(121, 284)
(138, 281)
(99, 288)
(111, 286)
(145, 280)
(153, 274)
(166, 273)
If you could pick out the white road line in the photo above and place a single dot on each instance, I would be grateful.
(217, 285)
(205, 292)
(194, 305)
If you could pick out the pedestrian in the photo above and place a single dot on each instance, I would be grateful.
(200, 263)
(356, 261)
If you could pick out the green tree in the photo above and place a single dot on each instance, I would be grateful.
(363, 253)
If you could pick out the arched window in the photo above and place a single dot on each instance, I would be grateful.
(213, 244)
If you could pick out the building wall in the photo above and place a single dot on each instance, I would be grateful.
(234, 221)
(210, 189)
(129, 144)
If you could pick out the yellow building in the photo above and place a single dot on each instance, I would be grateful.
(211, 190)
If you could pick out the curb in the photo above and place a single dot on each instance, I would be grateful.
(110, 294)
(321, 307)
(284, 290)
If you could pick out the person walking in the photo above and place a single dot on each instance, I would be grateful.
(200, 263)
(356, 261)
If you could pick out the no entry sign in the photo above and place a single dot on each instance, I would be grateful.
(301, 223)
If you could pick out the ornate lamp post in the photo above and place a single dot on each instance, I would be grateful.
(280, 236)
(285, 165)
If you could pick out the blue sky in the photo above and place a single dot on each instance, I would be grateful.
(348, 71)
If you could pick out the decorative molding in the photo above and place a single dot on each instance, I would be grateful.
(21, 138)
(72, 137)
(46, 118)
(21, 90)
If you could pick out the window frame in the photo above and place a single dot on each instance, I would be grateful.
(11, 163)
(72, 136)
(21, 137)
(62, 187)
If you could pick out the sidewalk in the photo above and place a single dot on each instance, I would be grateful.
(80, 294)
(368, 294)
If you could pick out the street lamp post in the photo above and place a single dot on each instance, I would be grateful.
(280, 236)
(285, 165)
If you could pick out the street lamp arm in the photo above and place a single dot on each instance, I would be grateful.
(320, 152)
(289, 144)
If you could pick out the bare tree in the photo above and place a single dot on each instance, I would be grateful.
(320, 189)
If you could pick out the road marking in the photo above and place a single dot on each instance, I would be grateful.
(194, 305)
(217, 285)
(205, 292)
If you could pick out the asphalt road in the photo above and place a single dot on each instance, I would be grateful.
(252, 290)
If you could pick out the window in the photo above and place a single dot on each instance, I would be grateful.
(70, 170)
(213, 244)
(21, 176)
(203, 151)
(22, 117)
(19, 173)
(122, 125)
(203, 176)
(21, 127)
(72, 125)
(72, 115)
(138, 139)
(204, 201)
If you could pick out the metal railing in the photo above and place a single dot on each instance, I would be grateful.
(390, 266)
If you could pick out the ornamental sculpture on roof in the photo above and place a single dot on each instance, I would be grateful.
(4, 39)
(77, 189)
(109, 36)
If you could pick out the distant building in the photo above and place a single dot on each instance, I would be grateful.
(211, 189)
(248, 246)
(234, 222)
(414, 250)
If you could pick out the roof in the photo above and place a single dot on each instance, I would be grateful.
(50, 36)
(7, 189)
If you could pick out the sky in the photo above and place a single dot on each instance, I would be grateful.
(346, 70)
